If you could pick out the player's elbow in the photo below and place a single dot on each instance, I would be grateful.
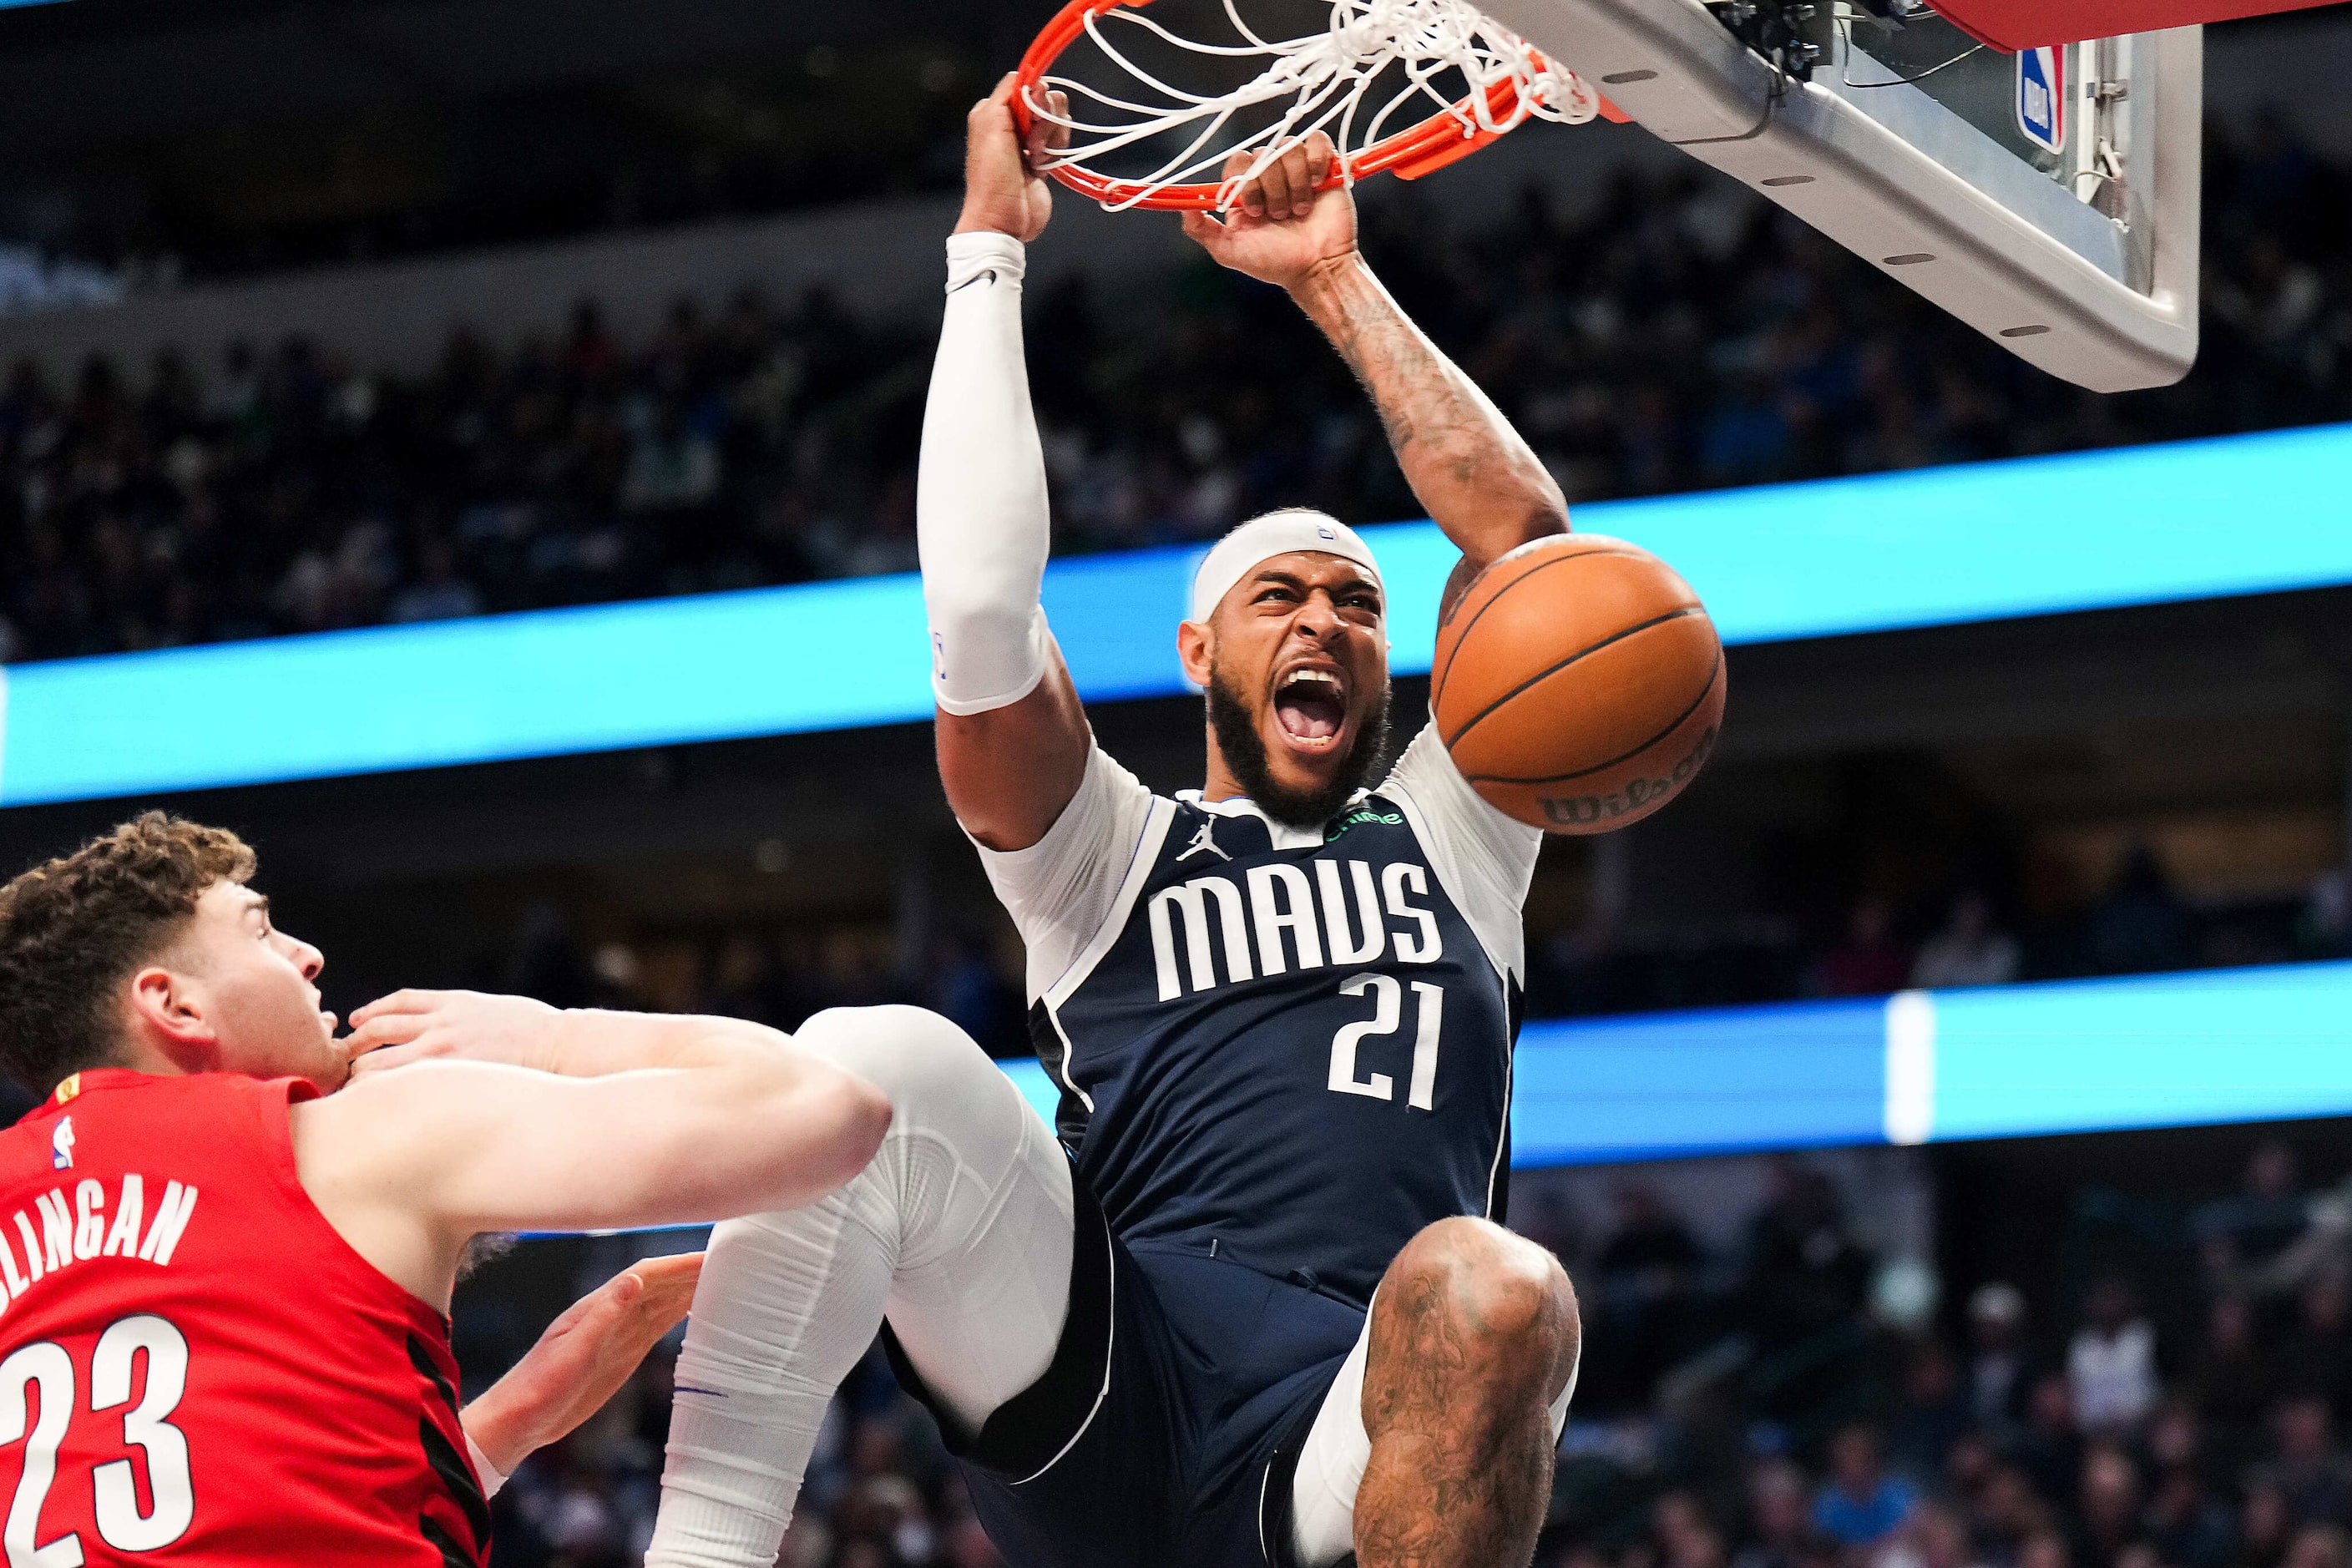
(863, 1117)
(841, 1119)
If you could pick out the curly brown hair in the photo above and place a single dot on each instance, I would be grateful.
(72, 930)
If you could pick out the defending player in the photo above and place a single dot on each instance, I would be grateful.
(227, 1276)
(1280, 1011)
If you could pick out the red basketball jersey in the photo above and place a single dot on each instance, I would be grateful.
(194, 1367)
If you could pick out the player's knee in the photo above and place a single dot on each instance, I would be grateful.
(916, 1057)
(1505, 1297)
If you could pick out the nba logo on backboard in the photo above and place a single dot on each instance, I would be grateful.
(2041, 97)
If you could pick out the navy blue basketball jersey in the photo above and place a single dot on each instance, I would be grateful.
(1288, 1048)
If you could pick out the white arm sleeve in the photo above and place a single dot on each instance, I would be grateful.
(981, 523)
(1486, 859)
(1063, 890)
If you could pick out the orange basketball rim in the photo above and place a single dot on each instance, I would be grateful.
(1442, 138)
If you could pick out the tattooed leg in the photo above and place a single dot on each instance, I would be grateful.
(1475, 1334)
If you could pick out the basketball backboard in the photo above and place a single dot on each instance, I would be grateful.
(2049, 198)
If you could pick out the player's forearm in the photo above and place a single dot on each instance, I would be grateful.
(981, 526)
(1481, 481)
(590, 1043)
(580, 1361)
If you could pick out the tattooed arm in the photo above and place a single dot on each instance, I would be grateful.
(1478, 479)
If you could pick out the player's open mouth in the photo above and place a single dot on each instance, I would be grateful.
(1311, 705)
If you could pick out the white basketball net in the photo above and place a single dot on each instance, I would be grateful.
(1330, 78)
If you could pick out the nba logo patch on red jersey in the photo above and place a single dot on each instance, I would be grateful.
(61, 1142)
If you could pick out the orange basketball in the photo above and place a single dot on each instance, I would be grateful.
(1579, 683)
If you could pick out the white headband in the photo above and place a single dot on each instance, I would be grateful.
(1262, 539)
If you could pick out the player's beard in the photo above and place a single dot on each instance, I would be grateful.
(1245, 753)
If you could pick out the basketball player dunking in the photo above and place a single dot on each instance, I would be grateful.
(227, 1276)
(1260, 1311)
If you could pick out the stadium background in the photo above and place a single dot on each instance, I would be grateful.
(323, 317)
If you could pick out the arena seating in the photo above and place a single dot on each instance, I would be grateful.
(1672, 337)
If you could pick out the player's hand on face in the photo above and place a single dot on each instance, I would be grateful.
(415, 1025)
(1002, 190)
(583, 1359)
(1281, 228)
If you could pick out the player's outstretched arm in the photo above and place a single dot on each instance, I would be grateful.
(476, 1114)
(580, 1361)
(1481, 482)
(1013, 740)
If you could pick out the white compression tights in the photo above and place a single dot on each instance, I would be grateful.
(960, 1230)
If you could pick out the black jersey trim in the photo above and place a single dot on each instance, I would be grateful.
(452, 1555)
(446, 1462)
(420, 1358)
(1277, 1525)
(1073, 1109)
(1498, 1180)
(1031, 1431)
(450, 1466)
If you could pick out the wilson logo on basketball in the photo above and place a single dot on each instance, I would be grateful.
(1638, 798)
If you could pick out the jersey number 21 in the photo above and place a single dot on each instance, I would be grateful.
(1388, 1010)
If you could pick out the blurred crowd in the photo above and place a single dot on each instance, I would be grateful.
(1679, 333)
(776, 976)
(2186, 1417)
(2011, 925)
(1789, 1400)
(880, 1492)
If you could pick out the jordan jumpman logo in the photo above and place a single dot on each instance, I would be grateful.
(1204, 841)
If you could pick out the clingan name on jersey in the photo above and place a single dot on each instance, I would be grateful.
(1269, 919)
(60, 1231)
